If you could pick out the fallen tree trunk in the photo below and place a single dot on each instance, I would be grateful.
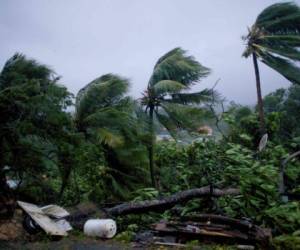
(168, 202)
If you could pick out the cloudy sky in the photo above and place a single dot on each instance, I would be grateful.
(82, 40)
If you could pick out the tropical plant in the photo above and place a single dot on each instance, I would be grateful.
(274, 39)
(165, 100)
(109, 119)
(35, 130)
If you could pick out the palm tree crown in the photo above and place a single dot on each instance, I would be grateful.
(167, 96)
(108, 117)
(167, 101)
(275, 38)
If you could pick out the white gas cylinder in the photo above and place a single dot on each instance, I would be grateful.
(103, 228)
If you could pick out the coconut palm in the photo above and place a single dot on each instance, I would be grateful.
(274, 38)
(108, 117)
(166, 101)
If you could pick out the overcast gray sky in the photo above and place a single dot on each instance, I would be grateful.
(82, 40)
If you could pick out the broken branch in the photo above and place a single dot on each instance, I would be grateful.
(168, 202)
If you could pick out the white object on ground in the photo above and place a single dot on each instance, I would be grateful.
(55, 211)
(43, 220)
(63, 225)
(103, 228)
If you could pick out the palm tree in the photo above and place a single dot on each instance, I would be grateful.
(109, 118)
(274, 38)
(165, 100)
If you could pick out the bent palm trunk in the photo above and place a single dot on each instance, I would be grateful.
(259, 96)
(151, 147)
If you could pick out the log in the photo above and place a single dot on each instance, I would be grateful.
(168, 202)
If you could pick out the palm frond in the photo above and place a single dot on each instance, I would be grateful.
(185, 117)
(280, 18)
(168, 123)
(285, 67)
(109, 137)
(288, 40)
(105, 91)
(177, 66)
(168, 86)
(275, 38)
(281, 49)
(110, 117)
(206, 95)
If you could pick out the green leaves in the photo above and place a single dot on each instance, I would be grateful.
(19, 70)
(203, 96)
(185, 117)
(275, 38)
(112, 120)
(168, 86)
(289, 70)
(105, 91)
(177, 66)
(280, 18)
(110, 138)
(173, 74)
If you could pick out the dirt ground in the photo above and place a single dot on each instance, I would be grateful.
(12, 229)
(66, 244)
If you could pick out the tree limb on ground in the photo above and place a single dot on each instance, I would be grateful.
(170, 201)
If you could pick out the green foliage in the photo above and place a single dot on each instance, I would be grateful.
(145, 194)
(232, 164)
(173, 73)
(109, 119)
(274, 37)
(288, 241)
(35, 129)
(100, 153)
(165, 102)
(284, 218)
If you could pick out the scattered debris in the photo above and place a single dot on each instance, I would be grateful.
(49, 218)
(103, 228)
(214, 228)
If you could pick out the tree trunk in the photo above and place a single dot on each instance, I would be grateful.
(79, 215)
(259, 96)
(151, 146)
(168, 202)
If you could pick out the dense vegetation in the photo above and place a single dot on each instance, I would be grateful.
(106, 150)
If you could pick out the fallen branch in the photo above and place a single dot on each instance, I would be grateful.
(168, 202)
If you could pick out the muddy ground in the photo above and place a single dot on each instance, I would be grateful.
(67, 244)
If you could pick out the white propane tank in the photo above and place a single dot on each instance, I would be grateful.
(103, 228)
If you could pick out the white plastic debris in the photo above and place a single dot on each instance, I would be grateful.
(103, 228)
(42, 217)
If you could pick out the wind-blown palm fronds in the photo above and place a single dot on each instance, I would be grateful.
(274, 38)
(167, 99)
(109, 118)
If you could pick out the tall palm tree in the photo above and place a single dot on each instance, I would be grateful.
(165, 100)
(274, 38)
(108, 117)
